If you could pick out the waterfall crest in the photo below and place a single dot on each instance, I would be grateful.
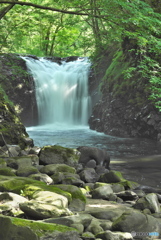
(61, 91)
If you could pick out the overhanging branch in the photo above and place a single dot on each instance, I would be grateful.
(51, 8)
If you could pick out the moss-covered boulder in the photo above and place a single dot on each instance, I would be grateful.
(26, 171)
(7, 171)
(57, 154)
(16, 184)
(23, 161)
(9, 204)
(55, 168)
(111, 177)
(17, 228)
(46, 204)
(78, 199)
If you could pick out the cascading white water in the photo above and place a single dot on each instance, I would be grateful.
(61, 91)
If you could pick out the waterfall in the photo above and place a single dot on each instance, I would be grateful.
(61, 91)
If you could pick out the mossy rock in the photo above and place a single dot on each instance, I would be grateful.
(2, 163)
(56, 168)
(112, 177)
(59, 155)
(75, 192)
(33, 230)
(26, 171)
(7, 171)
(129, 184)
(16, 184)
(29, 190)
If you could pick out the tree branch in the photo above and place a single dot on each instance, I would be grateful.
(50, 8)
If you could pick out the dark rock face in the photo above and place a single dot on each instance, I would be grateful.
(19, 87)
(115, 117)
(11, 129)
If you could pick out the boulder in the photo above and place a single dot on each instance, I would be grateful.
(56, 168)
(7, 171)
(127, 195)
(17, 228)
(26, 171)
(149, 201)
(103, 192)
(89, 175)
(42, 177)
(91, 153)
(9, 202)
(111, 177)
(23, 161)
(105, 210)
(135, 220)
(95, 226)
(59, 155)
(79, 218)
(17, 184)
(42, 209)
(108, 235)
(78, 201)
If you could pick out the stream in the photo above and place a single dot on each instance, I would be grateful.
(138, 159)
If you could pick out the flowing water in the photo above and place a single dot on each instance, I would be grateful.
(64, 107)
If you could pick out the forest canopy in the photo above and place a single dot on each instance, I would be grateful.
(85, 28)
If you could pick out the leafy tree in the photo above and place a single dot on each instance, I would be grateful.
(88, 27)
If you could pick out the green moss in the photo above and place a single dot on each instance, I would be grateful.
(29, 190)
(6, 171)
(41, 228)
(16, 184)
(2, 163)
(74, 191)
(129, 184)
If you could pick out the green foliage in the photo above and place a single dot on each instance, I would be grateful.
(107, 22)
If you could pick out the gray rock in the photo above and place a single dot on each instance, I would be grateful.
(117, 187)
(42, 177)
(41, 210)
(56, 235)
(105, 210)
(78, 202)
(94, 227)
(80, 218)
(88, 236)
(103, 192)
(9, 230)
(9, 203)
(149, 201)
(88, 175)
(108, 235)
(127, 195)
(136, 221)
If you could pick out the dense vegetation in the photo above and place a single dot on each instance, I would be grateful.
(89, 28)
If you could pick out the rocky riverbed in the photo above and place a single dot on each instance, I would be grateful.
(57, 193)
